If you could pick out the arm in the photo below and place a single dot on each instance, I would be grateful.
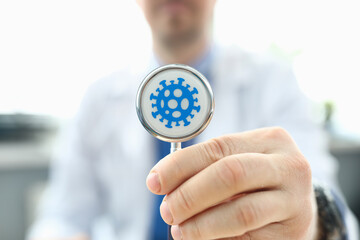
(290, 109)
(251, 185)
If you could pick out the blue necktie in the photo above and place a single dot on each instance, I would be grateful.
(159, 227)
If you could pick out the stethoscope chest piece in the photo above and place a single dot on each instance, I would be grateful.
(175, 103)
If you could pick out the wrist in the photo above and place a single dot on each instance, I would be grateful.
(330, 223)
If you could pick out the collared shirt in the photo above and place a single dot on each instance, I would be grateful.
(100, 171)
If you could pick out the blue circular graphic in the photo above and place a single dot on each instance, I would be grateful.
(174, 103)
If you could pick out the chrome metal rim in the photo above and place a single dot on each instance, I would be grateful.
(144, 83)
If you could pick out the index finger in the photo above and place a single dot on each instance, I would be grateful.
(176, 168)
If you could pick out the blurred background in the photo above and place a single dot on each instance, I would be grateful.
(50, 51)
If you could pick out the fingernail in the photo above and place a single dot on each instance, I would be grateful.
(165, 212)
(153, 182)
(175, 232)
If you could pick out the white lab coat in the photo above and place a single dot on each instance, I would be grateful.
(107, 154)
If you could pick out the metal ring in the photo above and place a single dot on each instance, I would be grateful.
(203, 80)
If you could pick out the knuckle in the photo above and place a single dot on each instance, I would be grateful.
(302, 231)
(305, 169)
(300, 186)
(302, 167)
(247, 215)
(245, 236)
(218, 147)
(184, 200)
(277, 133)
(193, 231)
(231, 172)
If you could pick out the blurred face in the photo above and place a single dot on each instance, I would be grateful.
(174, 22)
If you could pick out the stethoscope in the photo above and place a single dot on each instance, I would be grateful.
(175, 103)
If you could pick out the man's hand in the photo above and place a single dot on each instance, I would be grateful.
(251, 185)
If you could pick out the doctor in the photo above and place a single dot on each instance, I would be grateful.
(245, 179)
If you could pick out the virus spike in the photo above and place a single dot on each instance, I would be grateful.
(177, 123)
(197, 108)
(186, 122)
(152, 97)
(181, 80)
(194, 91)
(187, 85)
(154, 114)
(153, 105)
(158, 89)
(196, 100)
(172, 82)
(163, 83)
(168, 125)
(192, 115)
(161, 119)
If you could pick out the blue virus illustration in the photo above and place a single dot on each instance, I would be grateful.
(174, 102)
